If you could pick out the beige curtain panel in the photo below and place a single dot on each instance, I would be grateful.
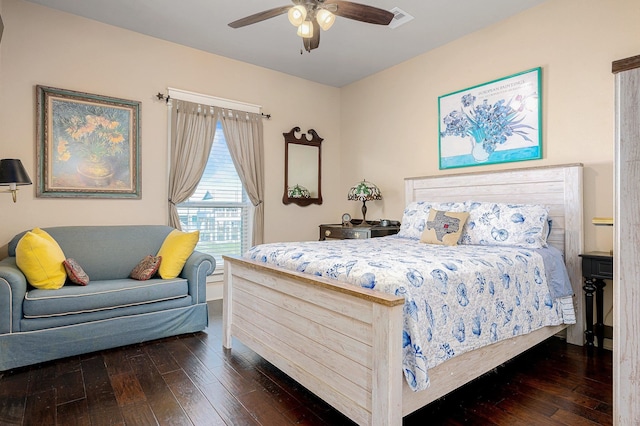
(244, 134)
(193, 129)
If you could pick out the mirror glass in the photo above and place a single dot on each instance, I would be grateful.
(302, 168)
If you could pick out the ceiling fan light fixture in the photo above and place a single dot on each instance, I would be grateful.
(325, 19)
(297, 15)
(305, 30)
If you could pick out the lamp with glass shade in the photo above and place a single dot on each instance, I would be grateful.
(364, 191)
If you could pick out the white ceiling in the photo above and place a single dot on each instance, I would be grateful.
(349, 51)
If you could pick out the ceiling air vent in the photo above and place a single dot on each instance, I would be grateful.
(400, 17)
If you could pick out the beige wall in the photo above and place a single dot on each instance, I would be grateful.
(47, 47)
(390, 120)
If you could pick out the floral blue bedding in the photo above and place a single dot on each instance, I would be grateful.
(457, 298)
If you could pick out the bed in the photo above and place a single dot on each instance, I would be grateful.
(310, 327)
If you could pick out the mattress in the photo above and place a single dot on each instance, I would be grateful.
(457, 298)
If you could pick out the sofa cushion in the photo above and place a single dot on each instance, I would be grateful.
(146, 268)
(40, 258)
(101, 295)
(175, 251)
(114, 317)
(75, 272)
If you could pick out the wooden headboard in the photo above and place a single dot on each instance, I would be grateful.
(559, 187)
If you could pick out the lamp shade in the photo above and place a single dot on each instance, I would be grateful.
(297, 15)
(325, 19)
(12, 172)
(305, 30)
(364, 191)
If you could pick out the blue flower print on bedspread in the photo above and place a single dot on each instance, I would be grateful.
(456, 298)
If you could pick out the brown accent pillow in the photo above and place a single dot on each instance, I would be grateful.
(75, 272)
(146, 268)
(444, 228)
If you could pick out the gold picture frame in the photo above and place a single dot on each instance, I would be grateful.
(88, 146)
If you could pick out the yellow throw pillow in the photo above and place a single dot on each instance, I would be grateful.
(40, 259)
(444, 228)
(175, 251)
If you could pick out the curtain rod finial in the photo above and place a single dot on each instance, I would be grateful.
(161, 96)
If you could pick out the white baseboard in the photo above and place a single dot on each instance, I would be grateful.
(214, 287)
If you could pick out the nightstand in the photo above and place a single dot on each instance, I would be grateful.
(341, 232)
(597, 266)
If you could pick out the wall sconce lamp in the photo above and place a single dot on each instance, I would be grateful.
(364, 191)
(12, 173)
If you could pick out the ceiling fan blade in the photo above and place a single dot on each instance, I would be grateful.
(260, 16)
(361, 12)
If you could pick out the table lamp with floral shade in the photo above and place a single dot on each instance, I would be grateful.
(364, 191)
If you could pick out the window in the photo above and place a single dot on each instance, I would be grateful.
(219, 208)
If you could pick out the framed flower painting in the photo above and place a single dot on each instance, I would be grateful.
(88, 145)
(495, 122)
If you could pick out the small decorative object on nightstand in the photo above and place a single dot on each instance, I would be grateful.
(597, 266)
(344, 232)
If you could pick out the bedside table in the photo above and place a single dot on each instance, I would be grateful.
(341, 232)
(597, 266)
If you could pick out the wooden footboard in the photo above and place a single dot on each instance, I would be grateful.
(341, 342)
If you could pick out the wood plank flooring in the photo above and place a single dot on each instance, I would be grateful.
(191, 380)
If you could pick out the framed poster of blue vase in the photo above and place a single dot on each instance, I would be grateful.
(495, 122)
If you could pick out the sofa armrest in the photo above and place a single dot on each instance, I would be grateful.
(13, 288)
(196, 269)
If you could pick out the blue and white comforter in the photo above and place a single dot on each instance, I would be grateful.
(456, 298)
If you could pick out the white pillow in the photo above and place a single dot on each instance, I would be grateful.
(502, 224)
(414, 218)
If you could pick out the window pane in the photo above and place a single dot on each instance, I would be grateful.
(220, 181)
(219, 207)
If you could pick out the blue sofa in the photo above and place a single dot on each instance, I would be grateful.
(113, 310)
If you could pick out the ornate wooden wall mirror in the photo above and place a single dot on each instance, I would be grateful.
(302, 161)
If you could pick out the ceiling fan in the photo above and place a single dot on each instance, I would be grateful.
(311, 15)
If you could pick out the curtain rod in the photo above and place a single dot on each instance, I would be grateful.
(161, 96)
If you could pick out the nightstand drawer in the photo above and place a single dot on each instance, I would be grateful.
(347, 233)
(596, 267)
(356, 232)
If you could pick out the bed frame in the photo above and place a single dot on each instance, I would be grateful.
(344, 343)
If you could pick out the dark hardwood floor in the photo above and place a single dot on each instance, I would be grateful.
(191, 380)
